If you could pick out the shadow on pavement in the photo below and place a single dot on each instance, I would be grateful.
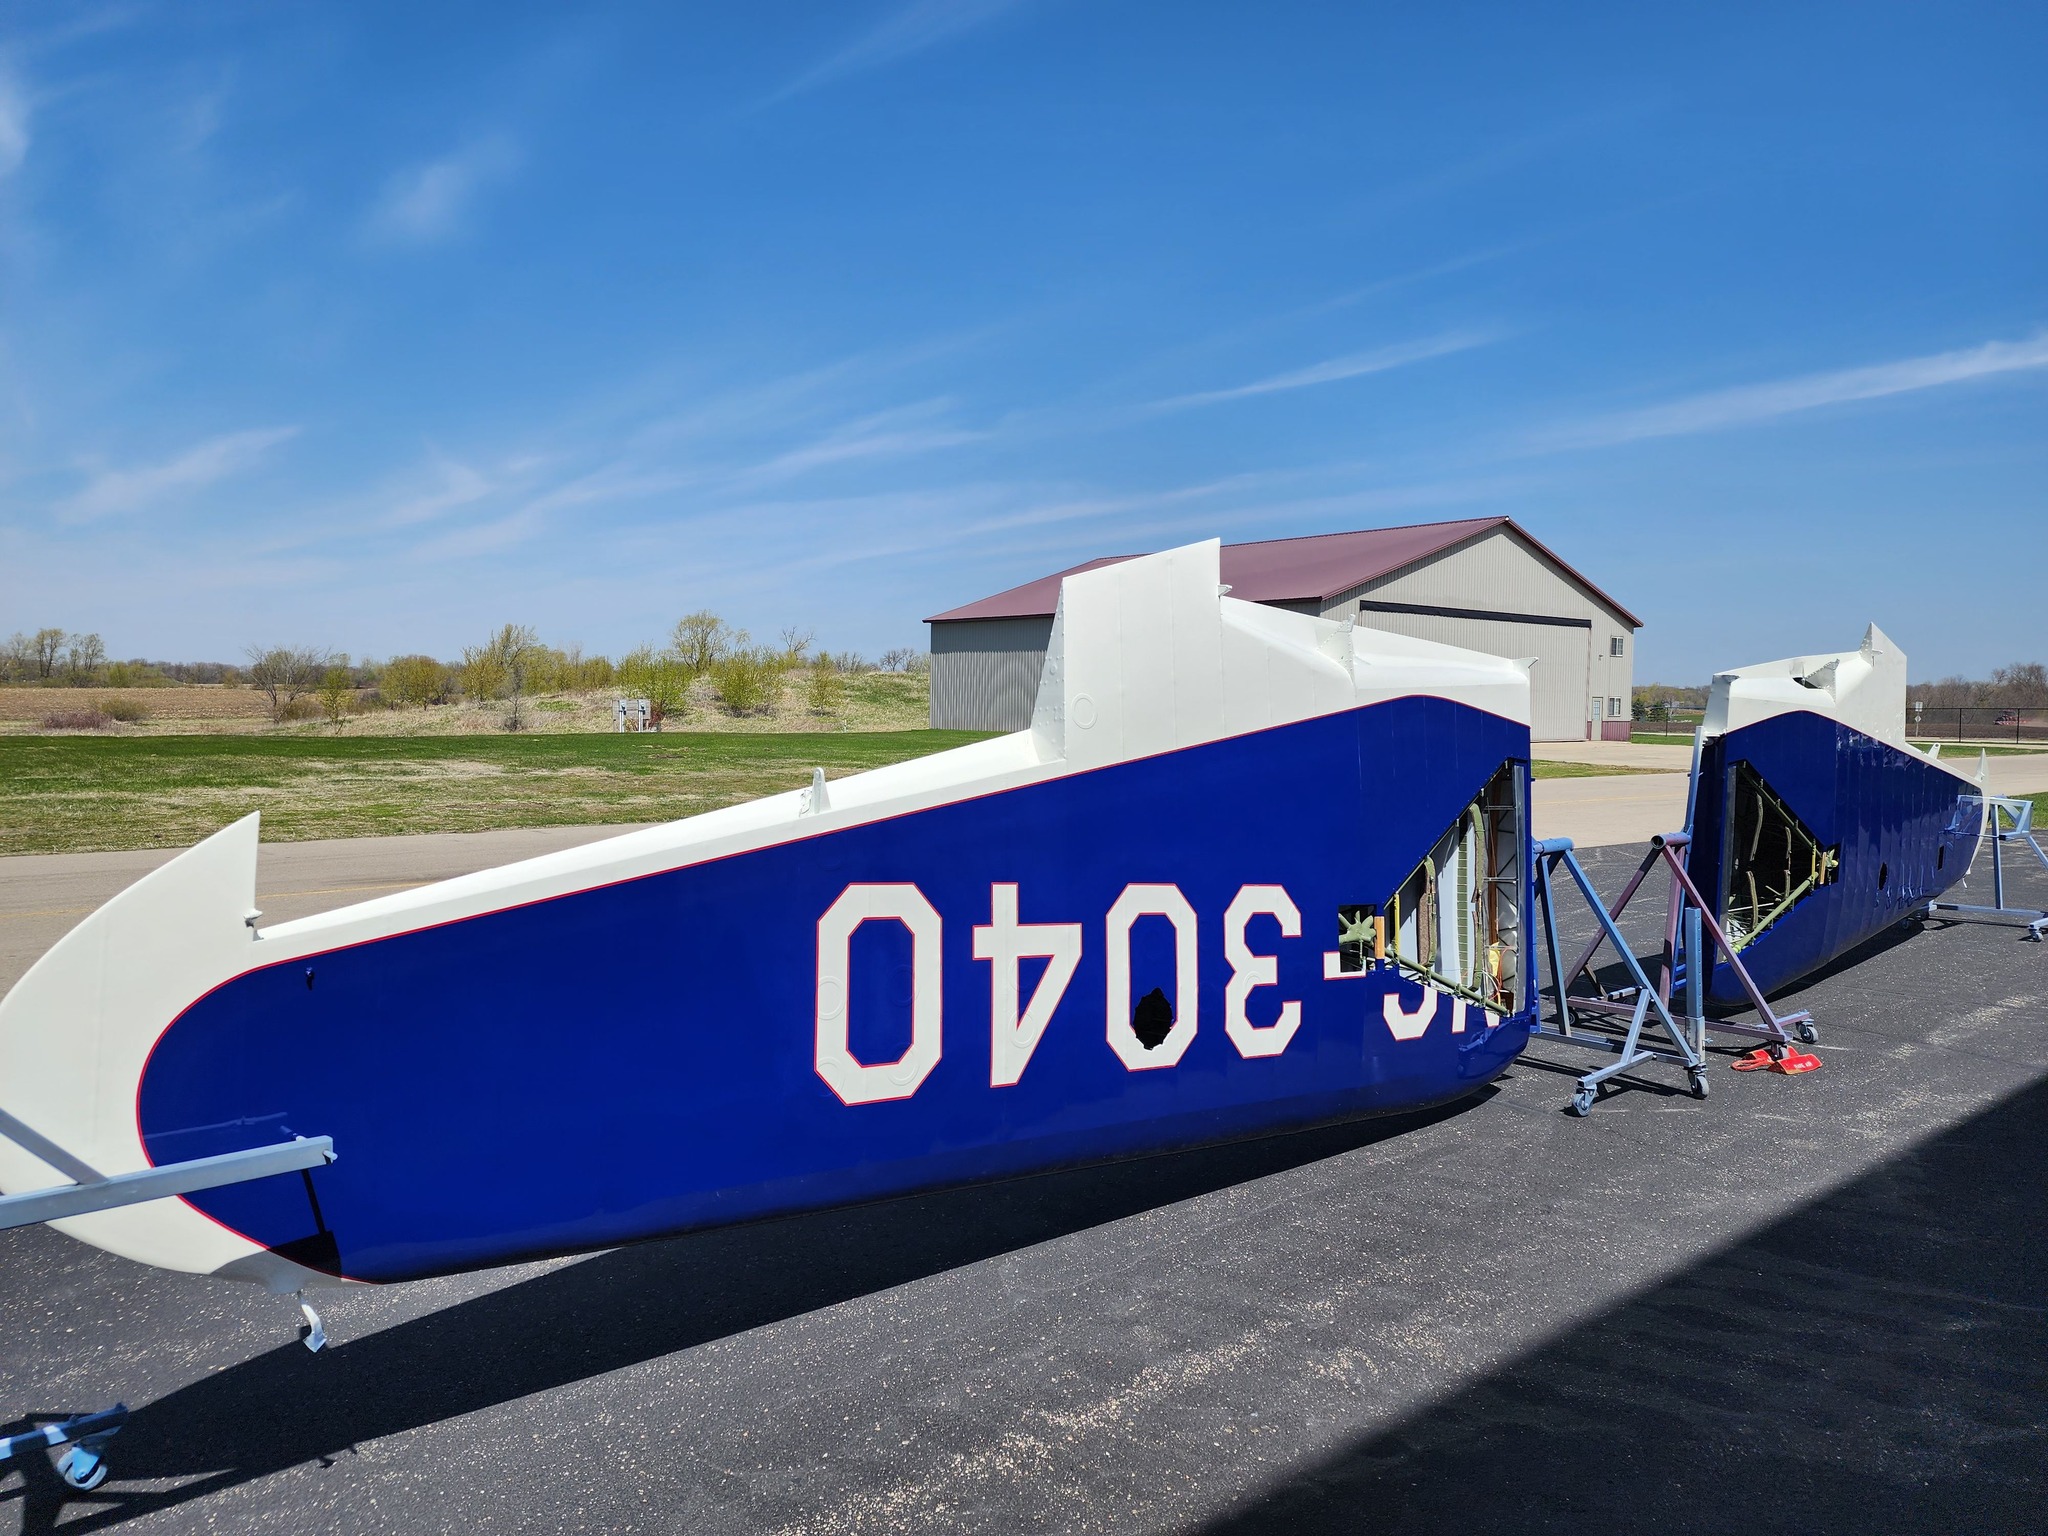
(621, 1308)
(1875, 1361)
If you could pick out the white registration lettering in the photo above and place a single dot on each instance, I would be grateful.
(1248, 970)
(855, 1081)
(1006, 943)
(1150, 901)
(1406, 1025)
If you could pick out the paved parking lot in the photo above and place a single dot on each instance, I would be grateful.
(1807, 1304)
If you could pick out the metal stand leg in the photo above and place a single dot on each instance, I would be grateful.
(1650, 1005)
(2021, 833)
(84, 1466)
(1692, 942)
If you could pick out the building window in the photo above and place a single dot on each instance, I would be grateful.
(1615, 647)
(1614, 709)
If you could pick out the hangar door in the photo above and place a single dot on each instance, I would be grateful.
(1559, 683)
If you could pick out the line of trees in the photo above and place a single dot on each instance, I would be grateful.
(53, 656)
(56, 658)
(704, 653)
(703, 656)
(704, 660)
(2023, 685)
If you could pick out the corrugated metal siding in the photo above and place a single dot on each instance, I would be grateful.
(1500, 574)
(985, 672)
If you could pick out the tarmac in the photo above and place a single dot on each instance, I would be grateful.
(1804, 1304)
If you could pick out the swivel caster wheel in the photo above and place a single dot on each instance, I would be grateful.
(1699, 1083)
(1808, 1035)
(1582, 1102)
(82, 1469)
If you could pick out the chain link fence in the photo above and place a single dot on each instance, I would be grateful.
(1990, 724)
(1985, 723)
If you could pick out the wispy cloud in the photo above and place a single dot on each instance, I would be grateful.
(668, 465)
(1747, 403)
(912, 29)
(14, 113)
(455, 485)
(1355, 365)
(111, 492)
(904, 432)
(428, 203)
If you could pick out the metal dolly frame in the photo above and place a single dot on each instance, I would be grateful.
(1689, 917)
(84, 1465)
(1629, 1050)
(2033, 919)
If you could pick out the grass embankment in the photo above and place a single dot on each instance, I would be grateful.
(71, 793)
(865, 701)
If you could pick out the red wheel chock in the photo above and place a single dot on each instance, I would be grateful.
(1790, 1062)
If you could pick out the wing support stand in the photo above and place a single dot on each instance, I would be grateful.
(2020, 832)
(1692, 940)
(1554, 854)
(84, 1465)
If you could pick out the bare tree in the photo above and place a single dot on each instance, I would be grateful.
(84, 658)
(796, 645)
(502, 666)
(2024, 684)
(19, 660)
(699, 639)
(49, 644)
(284, 673)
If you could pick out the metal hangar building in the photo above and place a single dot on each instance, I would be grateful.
(1483, 583)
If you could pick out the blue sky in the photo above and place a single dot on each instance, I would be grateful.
(377, 326)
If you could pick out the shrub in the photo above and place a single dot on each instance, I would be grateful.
(77, 720)
(337, 695)
(483, 674)
(747, 680)
(661, 679)
(414, 680)
(284, 674)
(302, 708)
(824, 688)
(127, 711)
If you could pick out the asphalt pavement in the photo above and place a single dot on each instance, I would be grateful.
(1805, 1304)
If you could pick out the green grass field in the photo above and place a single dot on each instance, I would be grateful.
(1970, 751)
(68, 793)
(63, 794)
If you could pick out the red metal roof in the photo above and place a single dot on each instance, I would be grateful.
(1312, 569)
